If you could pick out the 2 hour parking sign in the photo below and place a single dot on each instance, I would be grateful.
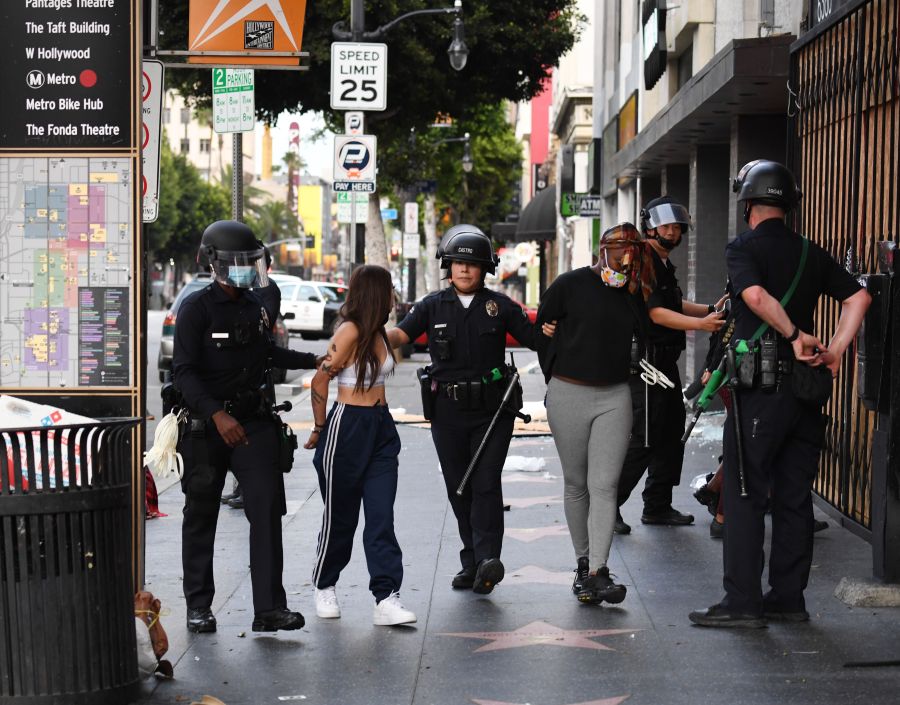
(354, 163)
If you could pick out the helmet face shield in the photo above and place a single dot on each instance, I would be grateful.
(668, 214)
(242, 270)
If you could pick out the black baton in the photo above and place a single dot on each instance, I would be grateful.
(487, 434)
(738, 429)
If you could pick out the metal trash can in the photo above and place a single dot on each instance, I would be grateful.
(67, 633)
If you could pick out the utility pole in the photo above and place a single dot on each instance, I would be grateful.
(358, 236)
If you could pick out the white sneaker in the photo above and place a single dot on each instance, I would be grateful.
(390, 612)
(327, 606)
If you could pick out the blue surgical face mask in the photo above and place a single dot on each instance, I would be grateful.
(242, 276)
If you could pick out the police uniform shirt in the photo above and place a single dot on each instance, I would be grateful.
(665, 294)
(769, 256)
(271, 300)
(477, 333)
(222, 347)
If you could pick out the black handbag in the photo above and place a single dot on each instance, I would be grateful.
(811, 384)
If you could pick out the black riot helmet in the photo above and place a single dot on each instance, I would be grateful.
(466, 243)
(764, 181)
(664, 210)
(235, 256)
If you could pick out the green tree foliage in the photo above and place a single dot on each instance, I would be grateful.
(481, 196)
(512, 43)
(273, 220)
(187, 204)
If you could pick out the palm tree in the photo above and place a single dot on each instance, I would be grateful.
(272, 220)
(294, 164)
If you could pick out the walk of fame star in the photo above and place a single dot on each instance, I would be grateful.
(529, 535)
(604, 701)
(524, 502)
(541, 634)
(535, 574)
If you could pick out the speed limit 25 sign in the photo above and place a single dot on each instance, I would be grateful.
(358, 76)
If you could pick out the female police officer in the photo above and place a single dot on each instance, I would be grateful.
(467, 326)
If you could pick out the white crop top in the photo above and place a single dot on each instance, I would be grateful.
(347, 376)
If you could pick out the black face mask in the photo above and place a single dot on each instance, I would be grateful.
(668, 244)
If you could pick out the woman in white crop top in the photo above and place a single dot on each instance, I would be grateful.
(356, 451)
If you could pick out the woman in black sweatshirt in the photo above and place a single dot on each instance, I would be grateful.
(587, 363)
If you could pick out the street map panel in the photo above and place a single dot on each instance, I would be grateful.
(66, 234)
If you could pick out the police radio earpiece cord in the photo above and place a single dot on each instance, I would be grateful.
(163, 455)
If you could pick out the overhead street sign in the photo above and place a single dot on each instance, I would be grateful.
(354, 163)
(253, 29)
(233, 102)
(151, 118)
(358, 76)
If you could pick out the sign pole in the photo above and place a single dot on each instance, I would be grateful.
(237, 177)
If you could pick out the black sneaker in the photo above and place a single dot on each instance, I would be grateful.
(278, 619)
(667, 517)
(620, 527)
(716, 529)
(599, 587)
(719, 616)
(819, 525)
(464, 579)
(236, 502)
(200, 620)
(581, 574)
(490, 572)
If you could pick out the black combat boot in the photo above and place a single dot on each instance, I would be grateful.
(599, 587)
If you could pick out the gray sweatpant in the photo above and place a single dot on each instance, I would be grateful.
(590, 426)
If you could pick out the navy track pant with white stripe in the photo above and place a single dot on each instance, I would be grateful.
(356, 460)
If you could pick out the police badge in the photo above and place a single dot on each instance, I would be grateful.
(492, 308)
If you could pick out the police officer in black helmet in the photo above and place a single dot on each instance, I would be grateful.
(467, 325)
(223, 345)
(785, 378)
(659, 415)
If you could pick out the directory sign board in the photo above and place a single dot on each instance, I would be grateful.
(67, 74)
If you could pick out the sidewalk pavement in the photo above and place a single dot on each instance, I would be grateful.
(529, 641)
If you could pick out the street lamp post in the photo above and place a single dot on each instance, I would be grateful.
(458, 53)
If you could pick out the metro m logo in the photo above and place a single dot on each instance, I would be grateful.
(35, 79)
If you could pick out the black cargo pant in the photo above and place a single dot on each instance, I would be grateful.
(256, 468)
(457, 433)
(663, 456)
(782, 439)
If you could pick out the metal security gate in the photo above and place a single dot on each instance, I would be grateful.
(843, 145)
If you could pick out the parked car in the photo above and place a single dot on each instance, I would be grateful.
(420, 344)
(310, 308)
(167, 339)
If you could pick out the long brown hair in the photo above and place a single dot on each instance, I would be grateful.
(369, 300)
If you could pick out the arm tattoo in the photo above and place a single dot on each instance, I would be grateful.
(317, 398)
